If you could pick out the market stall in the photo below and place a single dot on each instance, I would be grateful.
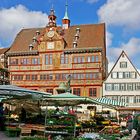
(65, 99)
(14, 95)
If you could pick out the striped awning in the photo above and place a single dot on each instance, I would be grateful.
(108, 101)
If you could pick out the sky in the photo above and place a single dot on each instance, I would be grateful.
(122, 19)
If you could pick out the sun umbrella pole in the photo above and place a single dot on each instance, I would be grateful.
(74, 126)
(46, 114)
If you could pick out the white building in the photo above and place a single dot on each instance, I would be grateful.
(123, 82)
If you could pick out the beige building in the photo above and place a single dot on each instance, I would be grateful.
(123, 83)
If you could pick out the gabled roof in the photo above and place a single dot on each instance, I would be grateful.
(3, 50)
(92, 35)
(23, 39)
(122, 53)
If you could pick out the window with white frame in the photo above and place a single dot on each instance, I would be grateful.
(127, 99)
(28, 77)
(34, 77)
(129, 86)
(123, 64)
(133, 75)
(48, 59)
(126, 75)
(115, 98)
(49, 77)
(116, 87)
(35, 61)
(114, 75)
(96, 58)
(64, 59)
(131, 99)
(79, 59)
(91, 58)
(122, 87)
(108, 87)
(25, 61)
(92, 92)
(77, 91)
(123, 98)
(137, 99)
(137, 85)
(43, 77)
(120, 75)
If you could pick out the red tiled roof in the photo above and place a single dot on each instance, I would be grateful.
(91, 35)
(24, 39)
(3, 50)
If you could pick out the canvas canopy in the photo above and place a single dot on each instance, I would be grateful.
(108, 101)
(15, 92)
(68, 99)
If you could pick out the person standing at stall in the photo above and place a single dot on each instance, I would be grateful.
(136, 126)
(1, 117)
(23, 115)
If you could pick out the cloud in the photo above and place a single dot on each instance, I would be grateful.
(110, 66)
(109, 37)
(16, 18)
(132, 48)
(121, 13)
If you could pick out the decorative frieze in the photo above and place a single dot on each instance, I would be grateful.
(93, 82)
(35, 67)
(25, 68)
(12, 68)
(87, 65)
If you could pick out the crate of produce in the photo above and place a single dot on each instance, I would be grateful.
(12, 131)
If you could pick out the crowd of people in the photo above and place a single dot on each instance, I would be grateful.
(133, 125)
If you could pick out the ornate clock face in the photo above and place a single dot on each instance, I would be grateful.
(50, 34)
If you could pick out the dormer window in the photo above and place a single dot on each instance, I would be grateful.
(78, 30)
(76, 36)
(37, 32)
(74, 44)
(31, 47)
(123, 64)
(34, 39)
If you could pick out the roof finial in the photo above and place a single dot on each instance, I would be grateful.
(52, 6)
(66, 11)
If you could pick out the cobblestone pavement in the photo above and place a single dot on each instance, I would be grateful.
(4, 137)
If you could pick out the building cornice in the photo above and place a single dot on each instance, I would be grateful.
(33, 52)
(82, 50)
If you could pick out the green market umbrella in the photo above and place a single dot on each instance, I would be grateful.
(68, 99)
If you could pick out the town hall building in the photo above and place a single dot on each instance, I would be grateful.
(45, 58)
